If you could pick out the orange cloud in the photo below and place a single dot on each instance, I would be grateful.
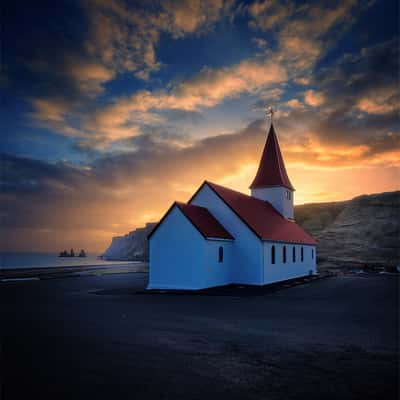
(300, 39)
(90, 76)
(49, 110)
(207, 89)
(383, 101)
(313, 98)
(191, 15)
(294, 103)
(267, 14)
(373, 107)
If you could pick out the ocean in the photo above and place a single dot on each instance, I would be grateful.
(9, 260)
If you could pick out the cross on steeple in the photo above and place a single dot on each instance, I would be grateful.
(270, 112)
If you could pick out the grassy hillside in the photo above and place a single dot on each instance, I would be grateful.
(364, 231)
(315, 217)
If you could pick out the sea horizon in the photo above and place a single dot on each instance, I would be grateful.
(41, 259)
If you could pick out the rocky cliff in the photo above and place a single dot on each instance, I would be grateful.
(132, 246)
(364, 231)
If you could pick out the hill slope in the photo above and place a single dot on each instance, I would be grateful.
(364, 230)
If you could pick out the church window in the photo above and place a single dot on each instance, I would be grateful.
(284, 254)
(294, 254)
(302, 254)
(273, 255)
(220, 254)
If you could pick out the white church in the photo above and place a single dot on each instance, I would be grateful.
(221, 236)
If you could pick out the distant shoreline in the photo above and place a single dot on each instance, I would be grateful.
(117, 263)
(72, 270)
(31, 260)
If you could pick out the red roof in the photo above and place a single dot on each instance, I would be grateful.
(271, 171)
(261, 217)
(201, 219)
(204, 221)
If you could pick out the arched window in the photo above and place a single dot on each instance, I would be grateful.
(220, 254)
(273, 255)
(294, 254)
(284, 254)
(302, 254)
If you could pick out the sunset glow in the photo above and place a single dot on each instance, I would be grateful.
(114, 109)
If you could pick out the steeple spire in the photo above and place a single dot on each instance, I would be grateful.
(271, 171)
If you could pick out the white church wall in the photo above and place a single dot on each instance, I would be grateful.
(289, 270)
(177, 254)
(247, 248)
(218, 273)
(278, 197)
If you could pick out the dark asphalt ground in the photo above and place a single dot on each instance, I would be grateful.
(335, 338)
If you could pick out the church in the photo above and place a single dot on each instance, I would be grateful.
(221, 236)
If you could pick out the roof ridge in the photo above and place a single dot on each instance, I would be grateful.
(198, 217)
(182, 203)
(251, 198)
(276, 226)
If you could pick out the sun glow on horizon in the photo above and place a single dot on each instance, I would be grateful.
(141, 104)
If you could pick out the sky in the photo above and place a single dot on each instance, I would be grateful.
(111, 109)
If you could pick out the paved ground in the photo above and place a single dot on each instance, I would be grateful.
(334, 338)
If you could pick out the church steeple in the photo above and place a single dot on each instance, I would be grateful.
(271, 171)
(271, 182)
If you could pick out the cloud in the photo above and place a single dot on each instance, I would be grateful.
(294, 103)
(194, 15)
(53, 111)
(300, 45)
(362, 74)
(313, 98)
(207, 89)
(212, 86)
(89, 76)
(260, 42)
(302, 39)
(266, 14)
(119, 38)
(114, 191)
(125, 38)
(384, 101)
(359, 109)
(302, 80)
